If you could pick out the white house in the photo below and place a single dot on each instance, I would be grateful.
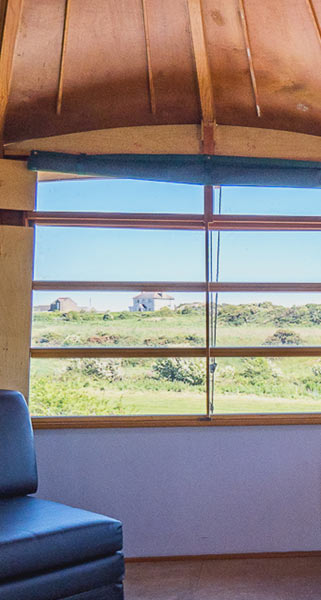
(151, 301)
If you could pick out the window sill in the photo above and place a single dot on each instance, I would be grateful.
(176, 421)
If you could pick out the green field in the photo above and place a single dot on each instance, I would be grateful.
(176, 386)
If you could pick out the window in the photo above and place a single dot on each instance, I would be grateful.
(171, 309)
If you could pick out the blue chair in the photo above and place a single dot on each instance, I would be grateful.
(48, 551)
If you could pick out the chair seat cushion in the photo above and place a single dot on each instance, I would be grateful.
(95, 580)
(38, 535)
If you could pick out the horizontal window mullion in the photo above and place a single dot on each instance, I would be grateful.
(116, 352)
(119, 286)
(117, 220)
(264, 223)
(267, 286)
(162, 352)
(174, 286)
(175, 221)
(267, 351)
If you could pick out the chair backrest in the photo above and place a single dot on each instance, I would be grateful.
(18, 469)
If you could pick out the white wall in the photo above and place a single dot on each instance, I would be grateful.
(192, 490)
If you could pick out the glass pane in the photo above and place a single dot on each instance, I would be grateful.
(267, 385)
(120, 195)
(117, 386)
(118, 318)
(271, 319)
(269, 256)
(79, 253)
(269, 201)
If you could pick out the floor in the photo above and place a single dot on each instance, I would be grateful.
(237, 579)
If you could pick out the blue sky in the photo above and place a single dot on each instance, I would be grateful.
(106, 254)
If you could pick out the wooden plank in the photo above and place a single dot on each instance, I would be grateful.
(201, 60)
(236, 420)
(117, 286)
(266, 143)
(187, 352)
(116, 220)
(153, 139)
(169, 286)
(176, 221)
(249, 56)
(268, 351)
(264, 287)
(16, 259)
(116, 352)
(152, 96)
(17, 185)
(12, 217)
(314, 18)
(63, 57)
(264, 223)
(3, 9)
(177, 139)
(10, 31)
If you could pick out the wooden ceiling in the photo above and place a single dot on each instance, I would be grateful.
(73, 65)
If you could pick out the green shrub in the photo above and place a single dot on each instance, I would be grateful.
(108, 316)
(108, 369)
(190, 371)
(284, 337)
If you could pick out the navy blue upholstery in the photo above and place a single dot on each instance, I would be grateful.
(37, 535)
(56, 585)
(48, 551)
(18, 471)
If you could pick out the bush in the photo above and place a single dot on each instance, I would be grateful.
(284, 337)
(108, 316)
(108, 369)
(166, 312)
(190, 371)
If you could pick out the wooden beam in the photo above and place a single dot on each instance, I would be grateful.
(230, 140)
(187, 352)
(10, 31)
(249, 55)
(152, 96)
(62, 57)
(119, 220)
(315, 19)
(219, 420)
(203, 75)
(116, 352)
(121, 286)
(17, 185)
(174, 286)
(16, 260)
(265, 223)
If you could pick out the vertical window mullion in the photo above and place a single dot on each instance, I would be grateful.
(208, 216)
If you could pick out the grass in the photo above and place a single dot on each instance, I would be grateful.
(241, 385)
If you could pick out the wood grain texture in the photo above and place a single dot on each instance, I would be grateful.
(245, 420)
(106, 80)
(269, 576)
(63, 57)
(178, 139)
(9, 28)
(201, 59)
(152, 139)
(16, 259)
(225, 351)
(17, 185)
(169, 286)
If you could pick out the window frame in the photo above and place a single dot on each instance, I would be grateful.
(207, 222)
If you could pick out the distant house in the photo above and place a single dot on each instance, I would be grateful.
(41, 308)
(64, 305)
(151, 301)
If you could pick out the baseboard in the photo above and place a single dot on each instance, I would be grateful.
(245, 555)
